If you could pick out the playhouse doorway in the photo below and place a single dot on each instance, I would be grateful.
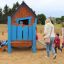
(24, 22)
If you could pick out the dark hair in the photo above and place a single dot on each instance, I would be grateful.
(57, 34)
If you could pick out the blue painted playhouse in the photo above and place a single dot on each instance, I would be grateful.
(22, 28)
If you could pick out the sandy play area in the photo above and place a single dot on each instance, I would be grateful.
(25, 56)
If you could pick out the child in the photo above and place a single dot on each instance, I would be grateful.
(57, 43)
(4, 43)
(62, 42)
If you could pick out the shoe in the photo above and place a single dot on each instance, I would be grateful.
(54, 56)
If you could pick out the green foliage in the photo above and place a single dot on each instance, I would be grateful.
(0, 12)
(0, 15)
(15, 6)
(41, 19)
(62, 24)
(7, 12)
(62, 18)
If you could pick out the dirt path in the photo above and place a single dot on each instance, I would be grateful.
(27, 57)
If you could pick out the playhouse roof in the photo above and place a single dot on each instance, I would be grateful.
(24, 4)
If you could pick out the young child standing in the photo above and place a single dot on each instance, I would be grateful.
(57, 43)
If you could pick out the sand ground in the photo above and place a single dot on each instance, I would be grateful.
(26, 56)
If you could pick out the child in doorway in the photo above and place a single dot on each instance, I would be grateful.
(57, 43)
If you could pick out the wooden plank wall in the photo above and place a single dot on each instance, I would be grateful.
(21, 33)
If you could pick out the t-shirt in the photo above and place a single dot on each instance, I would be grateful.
(57, 41)
(49, 30)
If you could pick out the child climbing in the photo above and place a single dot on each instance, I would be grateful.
(4, 43)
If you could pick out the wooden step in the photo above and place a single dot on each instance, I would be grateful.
(21, 43)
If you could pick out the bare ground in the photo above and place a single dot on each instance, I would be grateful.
(28, 57)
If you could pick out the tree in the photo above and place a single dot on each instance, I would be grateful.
(6, 10)
(58, 20)
(62, 18)
(10, 12)
(6, 13)
(0, 15)
(41, 18)
(15, 6)
(0, 12)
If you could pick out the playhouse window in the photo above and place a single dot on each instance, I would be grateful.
(25, 22)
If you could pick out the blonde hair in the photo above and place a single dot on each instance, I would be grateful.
(47, 21)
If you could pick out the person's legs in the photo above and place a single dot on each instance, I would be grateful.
(52, 47)
(62, 47)
(59, 48)
(47, 50)
(55, 49)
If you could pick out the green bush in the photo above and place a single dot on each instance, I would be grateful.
(62, 24)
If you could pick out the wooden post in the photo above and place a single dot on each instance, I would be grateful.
(9, 34)
(34, 37)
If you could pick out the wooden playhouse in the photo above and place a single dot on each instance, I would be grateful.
(22, 28)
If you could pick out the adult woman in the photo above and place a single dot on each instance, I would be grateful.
(49, 33)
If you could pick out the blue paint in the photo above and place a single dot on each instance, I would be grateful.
(34, 37)
(9, 34)
(14, 32)
(25, 33)
(22, 33)
(35, 21)
(19, 32)
(30, 33)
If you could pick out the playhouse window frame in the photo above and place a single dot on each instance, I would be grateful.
(26, 18)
